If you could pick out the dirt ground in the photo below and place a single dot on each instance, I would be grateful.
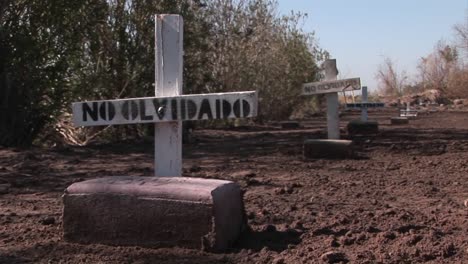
(400, 201)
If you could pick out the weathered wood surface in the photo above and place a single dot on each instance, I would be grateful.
(365, 105)
(168, 78)
(165, 109)
(332, 86)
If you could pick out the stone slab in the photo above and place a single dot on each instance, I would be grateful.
(328, 149)
(359, 127)
(399, 120)
(154, 212)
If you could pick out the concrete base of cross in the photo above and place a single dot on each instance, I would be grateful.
(328, 149)
(290, 124)
(154, 212)
(399, 120)
(359, 127)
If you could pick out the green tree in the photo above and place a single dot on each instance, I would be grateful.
(38, 40)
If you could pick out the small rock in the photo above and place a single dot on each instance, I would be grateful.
(279, 260)
(4, 188)
(251, 215)
(195, 168)
(389, 235)
(298, 225)
(414, 239)
(270, 228)
(296, 185)
(347, 241)
(280, 191)
(264, 251)
(333, 242)
(361, 237)
(243, 174)
(334, 257)
(449, 250)
(466, 203)
(251, 182)
(48, 221)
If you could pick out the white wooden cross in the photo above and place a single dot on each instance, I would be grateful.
(169, 107)
(408, 112)
(364, 104)
(331, 87)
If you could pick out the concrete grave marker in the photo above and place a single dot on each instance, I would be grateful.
(331, 87)
(363, 126)
(168, 210)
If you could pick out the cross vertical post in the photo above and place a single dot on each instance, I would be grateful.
(364, 101)
(168, 82)
(333, 119)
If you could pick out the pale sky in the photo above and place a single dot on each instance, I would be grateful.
(359, 34)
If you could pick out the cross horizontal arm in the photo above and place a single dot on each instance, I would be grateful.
(365, 105)
(165, 109)
(331, 86)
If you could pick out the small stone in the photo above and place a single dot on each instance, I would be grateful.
(361, 237)
(346, 241)
(251, 182)
(4, 188)
(466, 203)
(334, 257)
(298, 225)
(195, 168)
(251, 215)
(48, 221)
(243, 174)
(333, 242)
(449, 251)
(279, 260)
(389, 235)
(264, 251)
(270, 228)
(280, 191)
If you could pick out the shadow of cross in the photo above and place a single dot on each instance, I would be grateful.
(169, 107)
(331, 87)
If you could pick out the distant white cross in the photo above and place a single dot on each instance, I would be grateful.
(364, 105)
(408, 112)
(331, 87)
